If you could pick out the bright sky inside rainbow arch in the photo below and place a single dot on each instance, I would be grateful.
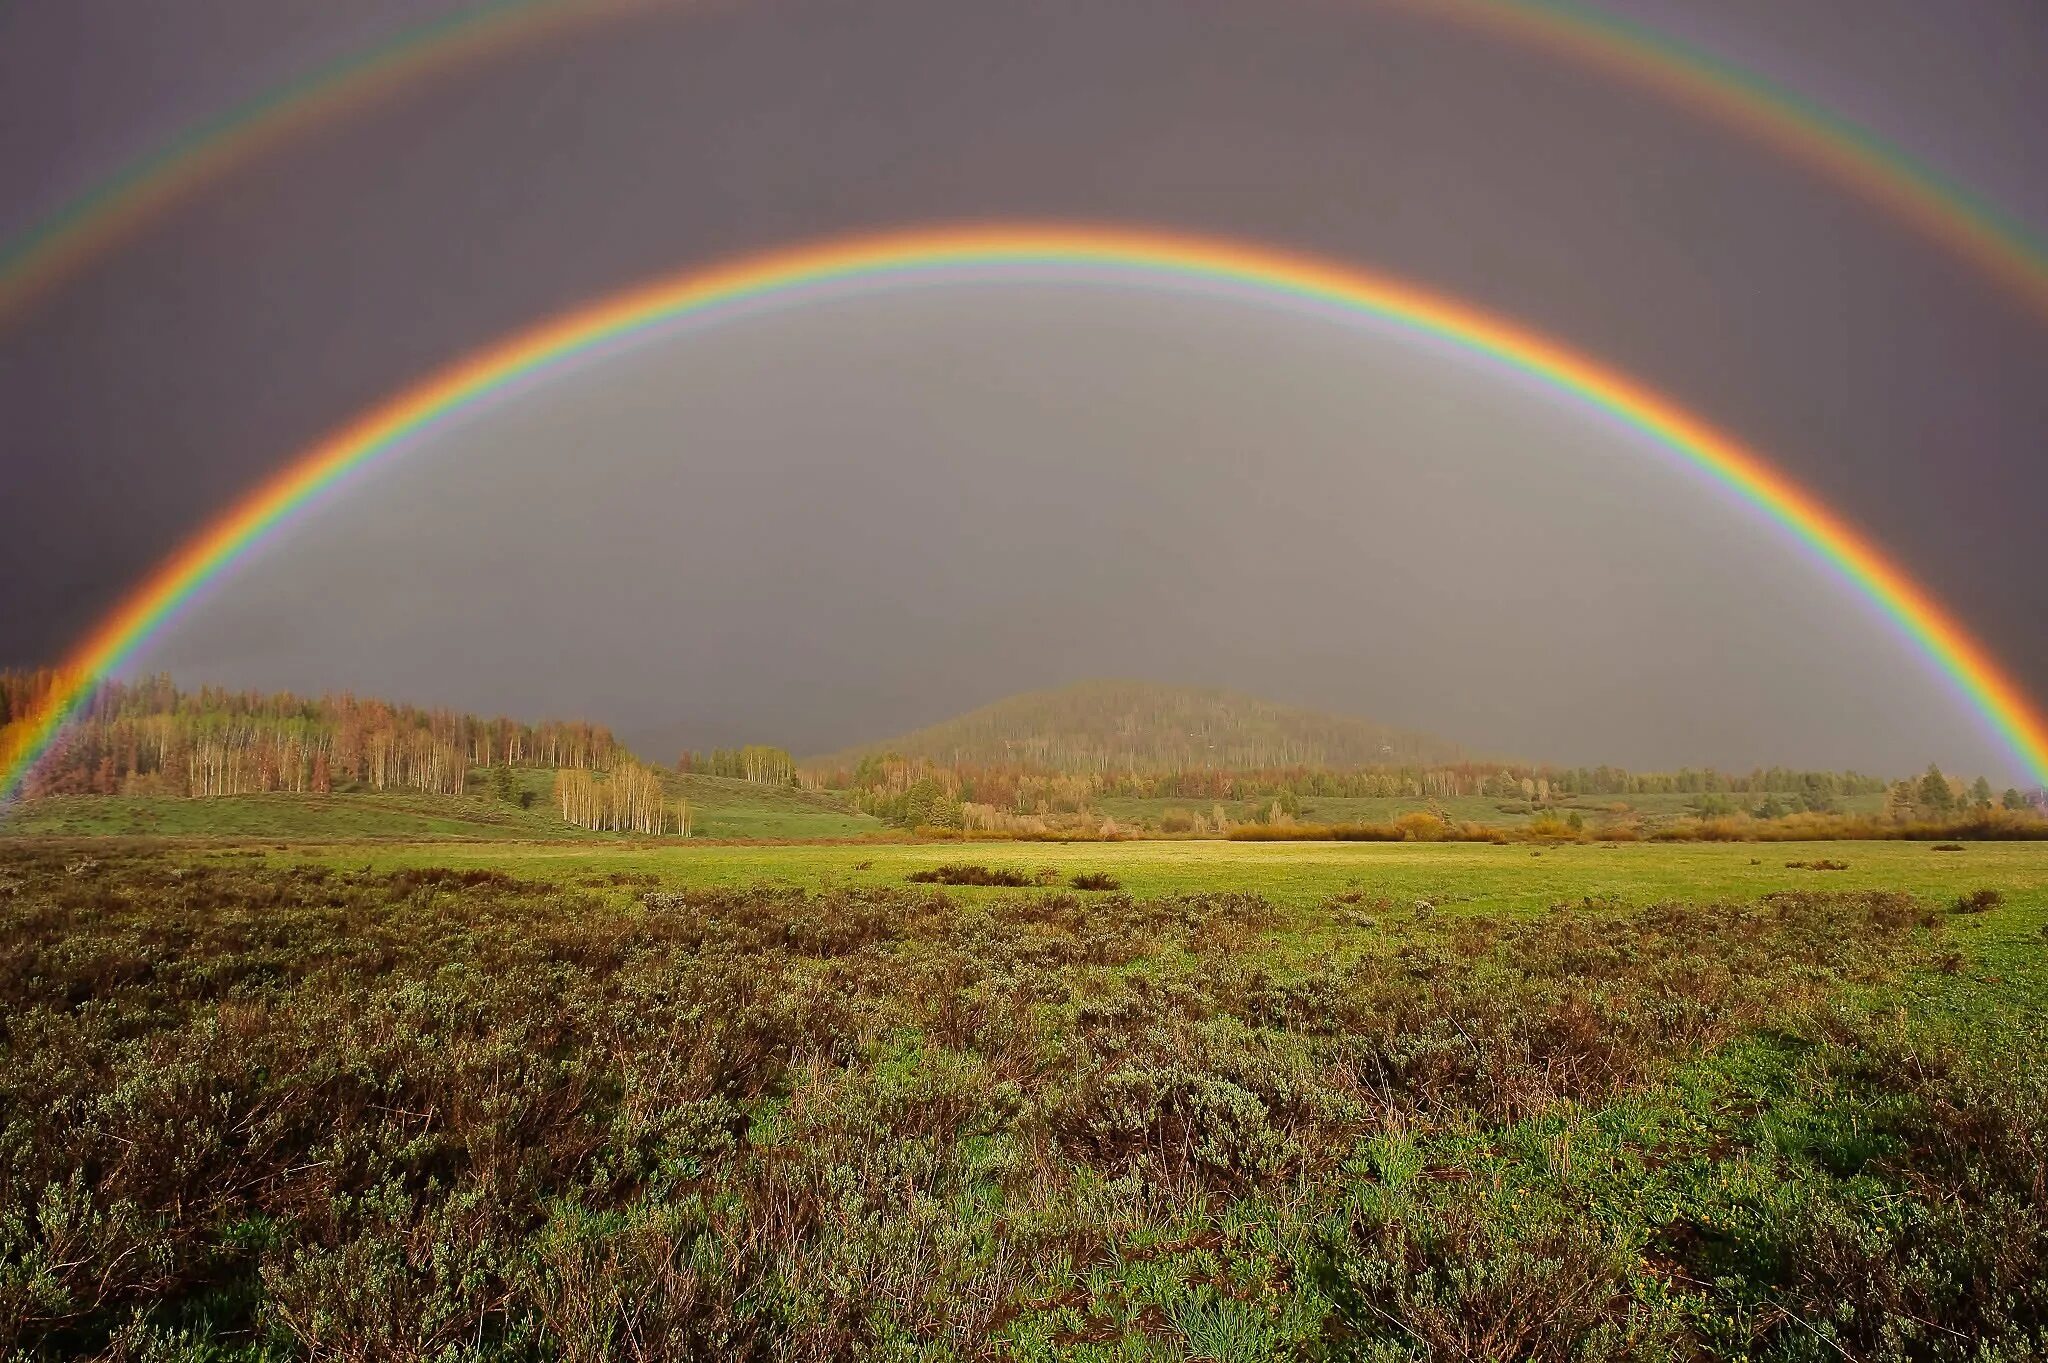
(1131, 256)
(1960, 219)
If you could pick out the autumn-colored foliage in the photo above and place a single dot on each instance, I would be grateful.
(148, 737)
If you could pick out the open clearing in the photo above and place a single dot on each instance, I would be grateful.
(719, 807)
(602, 1098)
(1453, 876)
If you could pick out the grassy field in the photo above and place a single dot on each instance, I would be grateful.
(520, 1101)
(1502, 813)
(346, 817)
(1455, 877)
(720, 808)
(371, 1080)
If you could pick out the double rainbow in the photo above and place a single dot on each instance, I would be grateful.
(1125, 256)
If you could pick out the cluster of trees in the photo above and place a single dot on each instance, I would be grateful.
(1253, 783)
(914, 790)
(755, 762)
(889, 784)
(149, 737)
(1384, 781)
(1936, 795)
(627, 799)
(1821, 785)
(1774, 805)
(928, 802)
(915, 793)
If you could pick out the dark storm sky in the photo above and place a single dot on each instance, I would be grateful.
(821, 544)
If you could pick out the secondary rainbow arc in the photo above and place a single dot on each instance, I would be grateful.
(1996, 243)
(1135, 255)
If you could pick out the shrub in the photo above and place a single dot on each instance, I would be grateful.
(1551, 826)
(1467, 1279)
(1420, 826)
(1095, 880)
(963, 873)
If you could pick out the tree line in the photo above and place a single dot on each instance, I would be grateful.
(913, 790)
(149, 737)
(754, 762)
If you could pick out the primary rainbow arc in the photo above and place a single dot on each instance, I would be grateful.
(1130, 255)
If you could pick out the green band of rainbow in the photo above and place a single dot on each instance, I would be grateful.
(1837, 149)
(1135, 256)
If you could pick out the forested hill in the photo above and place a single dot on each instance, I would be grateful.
(1101, 726)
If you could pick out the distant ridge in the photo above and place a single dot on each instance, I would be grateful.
(1114, 724)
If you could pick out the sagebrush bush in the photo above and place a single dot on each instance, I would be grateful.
(964, 873)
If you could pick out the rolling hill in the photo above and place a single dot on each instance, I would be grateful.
(1107, 725)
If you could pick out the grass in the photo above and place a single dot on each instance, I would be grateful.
(1481, 809)
(1463, 877)
(608, 1100)
(720, 808)
(323, 818)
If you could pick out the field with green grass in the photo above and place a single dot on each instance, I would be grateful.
(341, 816)
(719, 808)
(605, 1098)
(1475, 877)
(1500, 813)
(722, 807)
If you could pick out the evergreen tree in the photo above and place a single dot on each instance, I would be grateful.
(1934, 791)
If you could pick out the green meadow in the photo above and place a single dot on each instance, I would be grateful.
(1478, 809)
(1453, 877)
(719, 807)
(386, 1076)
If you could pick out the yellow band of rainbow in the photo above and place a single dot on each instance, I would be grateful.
(1131, 256)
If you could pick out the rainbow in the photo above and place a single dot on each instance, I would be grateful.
(1851, 156)
(951, 255)
(68, 239)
